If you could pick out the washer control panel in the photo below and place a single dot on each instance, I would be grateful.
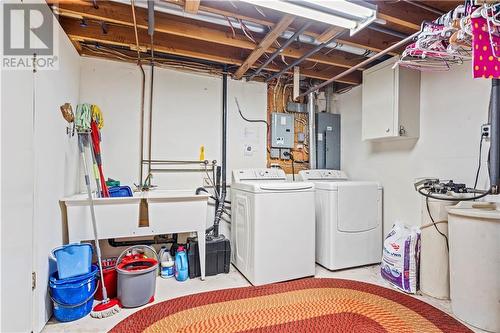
(323, 175)
(270, 174)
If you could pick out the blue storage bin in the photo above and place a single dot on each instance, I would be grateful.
(120, 191)
(73, 297)
(73, 259)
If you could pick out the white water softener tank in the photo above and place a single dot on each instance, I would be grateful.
(474, 230)
(434, 263)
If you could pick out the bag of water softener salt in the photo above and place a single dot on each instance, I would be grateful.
(400, 260)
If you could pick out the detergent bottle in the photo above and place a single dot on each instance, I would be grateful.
(166, 264)
(181, 264)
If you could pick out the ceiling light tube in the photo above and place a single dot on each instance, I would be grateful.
(346, 7)
(304, 12)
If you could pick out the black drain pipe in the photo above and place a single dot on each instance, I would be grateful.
(495, 137)
(223, 189)
(159, 239)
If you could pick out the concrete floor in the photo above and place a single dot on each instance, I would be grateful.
(168, 289)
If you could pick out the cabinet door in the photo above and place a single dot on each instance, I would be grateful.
(378, 111)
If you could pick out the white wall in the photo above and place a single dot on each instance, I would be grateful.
(56, 166)
(186, 114)
(39, 166)
(453, 107)
(187, 111)
(17, 201)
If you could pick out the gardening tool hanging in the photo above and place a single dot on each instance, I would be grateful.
(68, 115)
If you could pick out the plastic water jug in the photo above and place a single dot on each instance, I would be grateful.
(166, 264)
(181, 264)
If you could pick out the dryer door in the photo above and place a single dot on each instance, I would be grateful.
(357, 207)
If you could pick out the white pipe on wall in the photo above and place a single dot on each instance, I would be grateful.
(312, 130)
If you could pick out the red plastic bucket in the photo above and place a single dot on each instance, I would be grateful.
(110, 279)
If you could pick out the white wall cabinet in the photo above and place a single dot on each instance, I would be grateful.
(390, 102)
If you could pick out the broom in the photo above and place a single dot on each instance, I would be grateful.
(97, 122)
(107, 307)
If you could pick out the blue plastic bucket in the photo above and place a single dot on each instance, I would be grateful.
(73, 259)
(120, 191)
(73, 297)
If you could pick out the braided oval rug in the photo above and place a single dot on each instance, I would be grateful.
(307, 305)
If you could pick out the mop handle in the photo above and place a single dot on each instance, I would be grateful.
(92, 214)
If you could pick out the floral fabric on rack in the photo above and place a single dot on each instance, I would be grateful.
(486, 61)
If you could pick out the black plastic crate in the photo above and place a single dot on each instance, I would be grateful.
(218, 254)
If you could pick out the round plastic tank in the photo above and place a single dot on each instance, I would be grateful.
(474, 232)
(434, 263)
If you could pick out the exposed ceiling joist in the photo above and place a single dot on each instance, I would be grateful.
(369, 41)
(191, 6)
(403, 15)
(328, 34)
(124, 36)
(165, 23)
(77, 45)
(264, 44)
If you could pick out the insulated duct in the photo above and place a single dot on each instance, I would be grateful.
(495, 137)
(204, 16)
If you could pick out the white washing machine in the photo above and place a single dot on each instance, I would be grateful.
(348, 219)
(272, 226)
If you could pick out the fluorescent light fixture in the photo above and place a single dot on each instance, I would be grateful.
(304, 12)
(346, 7)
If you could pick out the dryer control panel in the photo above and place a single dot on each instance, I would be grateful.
(322, 175)
(271, 174)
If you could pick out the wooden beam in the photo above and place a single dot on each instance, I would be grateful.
(77, 45)
(329, 34)
(120, 14)
(374, 44)
(403, 14)
(168, 44)
(264, 44)
(210, 9)
(398, 21)
(191, 6)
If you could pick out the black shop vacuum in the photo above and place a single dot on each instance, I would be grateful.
(218, 247)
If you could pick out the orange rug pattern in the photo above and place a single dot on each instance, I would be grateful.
(307, 305)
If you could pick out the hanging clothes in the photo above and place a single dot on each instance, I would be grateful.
(486, 61)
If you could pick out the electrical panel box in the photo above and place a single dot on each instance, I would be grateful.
(282, 130)
(327, 140)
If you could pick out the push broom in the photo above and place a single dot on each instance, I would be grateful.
(107, 307)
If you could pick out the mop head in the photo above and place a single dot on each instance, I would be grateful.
(105, 309)
(83, 117)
